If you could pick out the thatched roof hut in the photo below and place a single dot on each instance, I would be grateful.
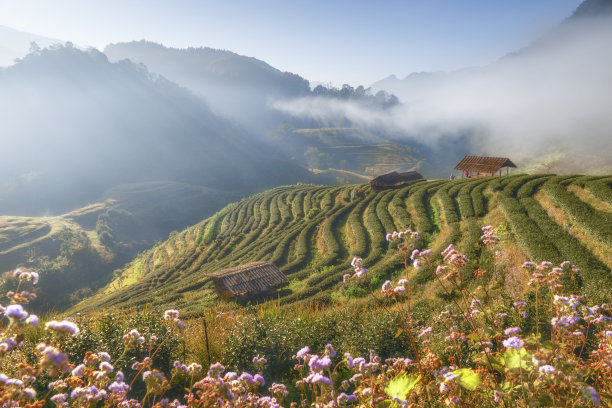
(394, 179)
(483, 164)
(247, 280)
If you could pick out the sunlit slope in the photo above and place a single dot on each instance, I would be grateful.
(312, 232)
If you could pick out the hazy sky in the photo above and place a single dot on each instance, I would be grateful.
(343, 41)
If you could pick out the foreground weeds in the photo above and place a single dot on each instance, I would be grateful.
(484, 349)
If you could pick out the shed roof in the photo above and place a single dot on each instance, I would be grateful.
(484, 164)
(248, 279)
(395, 178)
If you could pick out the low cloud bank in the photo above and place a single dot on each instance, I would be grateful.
(554, 96)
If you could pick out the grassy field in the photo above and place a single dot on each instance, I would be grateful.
(312, 232)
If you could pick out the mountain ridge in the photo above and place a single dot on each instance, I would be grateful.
(118, 123)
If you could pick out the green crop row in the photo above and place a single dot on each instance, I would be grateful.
(297, 205)
(375, 231)
(346, 194)
(570, 248)
(382, 212)
(601, 189)
(448, 206)
(529, 188)
(398, 211)
(331, 243)
(264, 215)
(595, 222)
(478, 199)
(356, 226)
(281, 250)
(302, 250)
(274, 213)
(465, 202)
(526, 232)
(457, 185)
(511, 188)
(285, 210)
(212, 228)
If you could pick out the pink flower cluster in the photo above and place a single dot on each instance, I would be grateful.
(357, 264)
(402, 234)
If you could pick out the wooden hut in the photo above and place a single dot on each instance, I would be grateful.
(479, 166)
(394, 179)
(247, 280)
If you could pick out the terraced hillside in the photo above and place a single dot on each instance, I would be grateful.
(312, 233)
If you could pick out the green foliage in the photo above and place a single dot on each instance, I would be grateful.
(601, 188)
(400, 386)
(468, 379)
(526, 231)
(595, 222)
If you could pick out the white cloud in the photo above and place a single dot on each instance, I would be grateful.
(556, 95)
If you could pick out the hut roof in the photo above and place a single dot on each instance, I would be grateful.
(394, 178)
(483, 164)
(247, 279)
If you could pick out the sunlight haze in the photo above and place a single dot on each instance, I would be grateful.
(354, 42)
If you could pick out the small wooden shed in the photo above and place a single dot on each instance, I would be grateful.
(483, 165)
(247, 280)
(394, 179)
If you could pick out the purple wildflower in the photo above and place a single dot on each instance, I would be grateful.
(319, 378)
(349, 360)
(259, 379)
(246, 377)
(15, 312)
(302, 352)
(79, 370)
(514, 342)
(512, 330)
(528, 264)
(424, 332)
(592, 394)
(63, 327)
(547, 369)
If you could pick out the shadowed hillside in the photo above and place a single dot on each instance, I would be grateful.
(114, 124)
(77, 252)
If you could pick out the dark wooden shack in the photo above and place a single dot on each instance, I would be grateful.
(247, 280)
(479, 166)
(394, 179)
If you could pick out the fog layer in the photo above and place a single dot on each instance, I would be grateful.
(552, 98)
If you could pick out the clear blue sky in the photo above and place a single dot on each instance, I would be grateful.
(344, 41)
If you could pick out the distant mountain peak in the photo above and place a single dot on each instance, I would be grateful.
(593, 8)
